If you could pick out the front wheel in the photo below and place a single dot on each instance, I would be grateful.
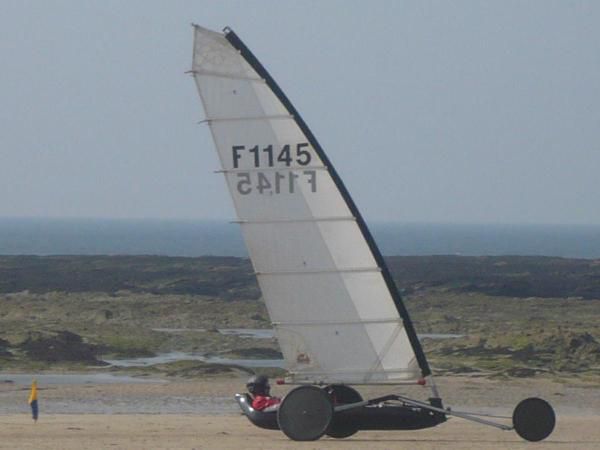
(534, 419)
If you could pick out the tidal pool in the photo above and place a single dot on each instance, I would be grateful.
(25, 379)
(269, 333)
(251, 333)
(182, 356)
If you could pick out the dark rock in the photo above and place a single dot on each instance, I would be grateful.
(581, 340)
(526, 353)
(4, 352)
(520, 372)
(62, 346)
(257, 353)
(462, 369)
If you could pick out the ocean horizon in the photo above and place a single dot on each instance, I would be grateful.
(190, 238)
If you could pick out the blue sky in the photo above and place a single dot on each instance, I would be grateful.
(462, 112)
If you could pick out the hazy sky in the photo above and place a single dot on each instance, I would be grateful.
(431, 111)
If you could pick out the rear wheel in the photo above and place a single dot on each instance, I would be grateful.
(305, 413)
(341, 394)
(534, 419)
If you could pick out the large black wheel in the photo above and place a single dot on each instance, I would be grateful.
(305, 413)
(340, 426)
(534, 419)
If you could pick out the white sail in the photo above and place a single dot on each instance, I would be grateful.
(333, 313)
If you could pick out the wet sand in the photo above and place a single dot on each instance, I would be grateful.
(153, 418)
(91, 431)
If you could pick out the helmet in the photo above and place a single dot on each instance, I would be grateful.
(258, 385)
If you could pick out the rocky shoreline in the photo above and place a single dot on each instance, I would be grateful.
(152, 306)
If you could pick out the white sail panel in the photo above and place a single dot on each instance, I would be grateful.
(214, 55)
(287, 204)
(246, 92)
(299, 304)
(340, 317)
(307, 247)
(346, 358)
(334, 316)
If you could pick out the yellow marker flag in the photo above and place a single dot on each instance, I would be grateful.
(33, 400)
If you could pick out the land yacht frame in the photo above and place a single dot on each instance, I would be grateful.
(337, 313)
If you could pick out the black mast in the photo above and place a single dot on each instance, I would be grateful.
(237, 43)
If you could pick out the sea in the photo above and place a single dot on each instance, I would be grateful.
(37, 236)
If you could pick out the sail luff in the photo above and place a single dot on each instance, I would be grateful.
(237, 43)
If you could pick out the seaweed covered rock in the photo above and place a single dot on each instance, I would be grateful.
(522, 355)
(575, 350)
(4, 352)
(520, 372)
(59, 347)
(200, 369)
(255, 353)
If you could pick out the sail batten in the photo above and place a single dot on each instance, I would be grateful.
(314, 257)
(233, 119)
(311, 219)
(312, 272)
(330, 323)
(208, 73)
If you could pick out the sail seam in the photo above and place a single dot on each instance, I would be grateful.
(270, 169)
(353, 322)
(351, 372)
(312, 219)
(210, 120)
(394, 382)
(230, 76)
(312, 272)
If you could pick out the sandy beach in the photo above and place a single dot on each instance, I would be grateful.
(134, 432)
(201, 414)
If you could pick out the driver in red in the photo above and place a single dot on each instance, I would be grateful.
(259, 388)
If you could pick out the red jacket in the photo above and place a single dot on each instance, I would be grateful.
(261, 402)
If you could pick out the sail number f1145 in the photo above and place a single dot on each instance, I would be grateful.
(274, 182)
(269, 157)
